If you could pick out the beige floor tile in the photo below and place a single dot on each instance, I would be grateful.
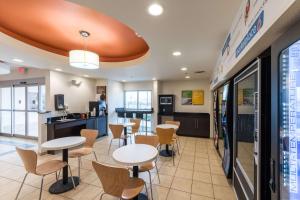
(201, 168)
(202, 176)
(184, 173)
(167, 170)
(219, 180)
(182, 184)
(178, 195)
(204, 189)
(201, 154)
(187, 158)
(216, 170)
(202, 161)
(198, 197)
(83, 191)
(165, 180)
(223, 193)
(159, 193)
(186, 165)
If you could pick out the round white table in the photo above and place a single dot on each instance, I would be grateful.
(65, 184)
(166, 152)
(125, 125)
(135, 155)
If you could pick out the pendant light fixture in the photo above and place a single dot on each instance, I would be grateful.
(82, 58)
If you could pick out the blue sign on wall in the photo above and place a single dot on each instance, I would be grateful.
(251, 33)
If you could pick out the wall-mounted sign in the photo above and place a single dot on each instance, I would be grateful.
(192, 97)
(198, 97)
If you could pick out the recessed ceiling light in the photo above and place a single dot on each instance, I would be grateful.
(155, 9)
(17, 60)
(58, 69)
(153, 79)
(176, 53)
(86, 75)
(123, 80)
(183, 69)
(138, 35)
(187, 77)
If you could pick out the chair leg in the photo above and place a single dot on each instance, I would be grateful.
(59, 173)
(173, 155)
(21, 186)
(147, 191)
(109, 146)
(157, 173)
(150, 184)
(95, 155)
(72, 177)
(41, 189)
(102, 195)
(177, 147)
(79, 161)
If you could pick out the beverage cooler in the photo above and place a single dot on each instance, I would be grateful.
(251, 130)
(223, 126)
(285, 158)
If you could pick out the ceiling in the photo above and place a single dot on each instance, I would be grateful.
(111, 39)
(196, 28)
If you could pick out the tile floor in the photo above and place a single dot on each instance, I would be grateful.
(197, 175)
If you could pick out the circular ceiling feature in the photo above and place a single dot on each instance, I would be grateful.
(53, 25)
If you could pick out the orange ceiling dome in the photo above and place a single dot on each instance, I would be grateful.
(54, 25)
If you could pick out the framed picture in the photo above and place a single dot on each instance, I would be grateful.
(198, 97)
(101, 91)
(186, 97)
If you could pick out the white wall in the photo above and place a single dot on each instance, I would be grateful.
(175, 87)
(141, 85)
(76, 97)
(115, 99)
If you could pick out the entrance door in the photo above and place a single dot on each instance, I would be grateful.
(246, 131)
(19, 110)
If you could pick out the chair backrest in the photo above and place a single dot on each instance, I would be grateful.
(177, 123)
(165, 135)
(116, 130)
(150, 140)
(113, 179)
(136, 127)
(29, 159)
(90, 136)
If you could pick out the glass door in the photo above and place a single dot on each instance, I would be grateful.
(289, 122)
(246, 130)
(5, 110)
(19, 110)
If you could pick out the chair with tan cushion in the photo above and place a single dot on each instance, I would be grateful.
(116, 130)
(165, 136)
(116, 181)
(90, 136)
(29, 159)
(153, 141)
(175, 136)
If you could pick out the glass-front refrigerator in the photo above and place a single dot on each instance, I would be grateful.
(223, 126)
(285, 159)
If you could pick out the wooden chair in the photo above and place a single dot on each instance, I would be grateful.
(165, 136)
(136, 128)
(29, 159)
(153, 141)
(116, 181)
(87, 149)
(175, 136)
(116, 130)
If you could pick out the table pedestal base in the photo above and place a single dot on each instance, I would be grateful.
(58, 187)
(142, 197)
(166, 153)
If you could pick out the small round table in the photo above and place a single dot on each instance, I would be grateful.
(125, 125)
(166, 152)
(65, 184)
(135, 155)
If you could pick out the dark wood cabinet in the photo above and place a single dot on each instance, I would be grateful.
(193, 124)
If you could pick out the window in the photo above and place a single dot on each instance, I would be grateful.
(140, 100)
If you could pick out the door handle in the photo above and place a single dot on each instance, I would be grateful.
(272, 178)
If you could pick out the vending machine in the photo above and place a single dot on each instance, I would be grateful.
(215, 118)
(285, 154)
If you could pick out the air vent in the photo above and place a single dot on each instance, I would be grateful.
(199, 72)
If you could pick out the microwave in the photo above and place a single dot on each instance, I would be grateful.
(165, 100)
